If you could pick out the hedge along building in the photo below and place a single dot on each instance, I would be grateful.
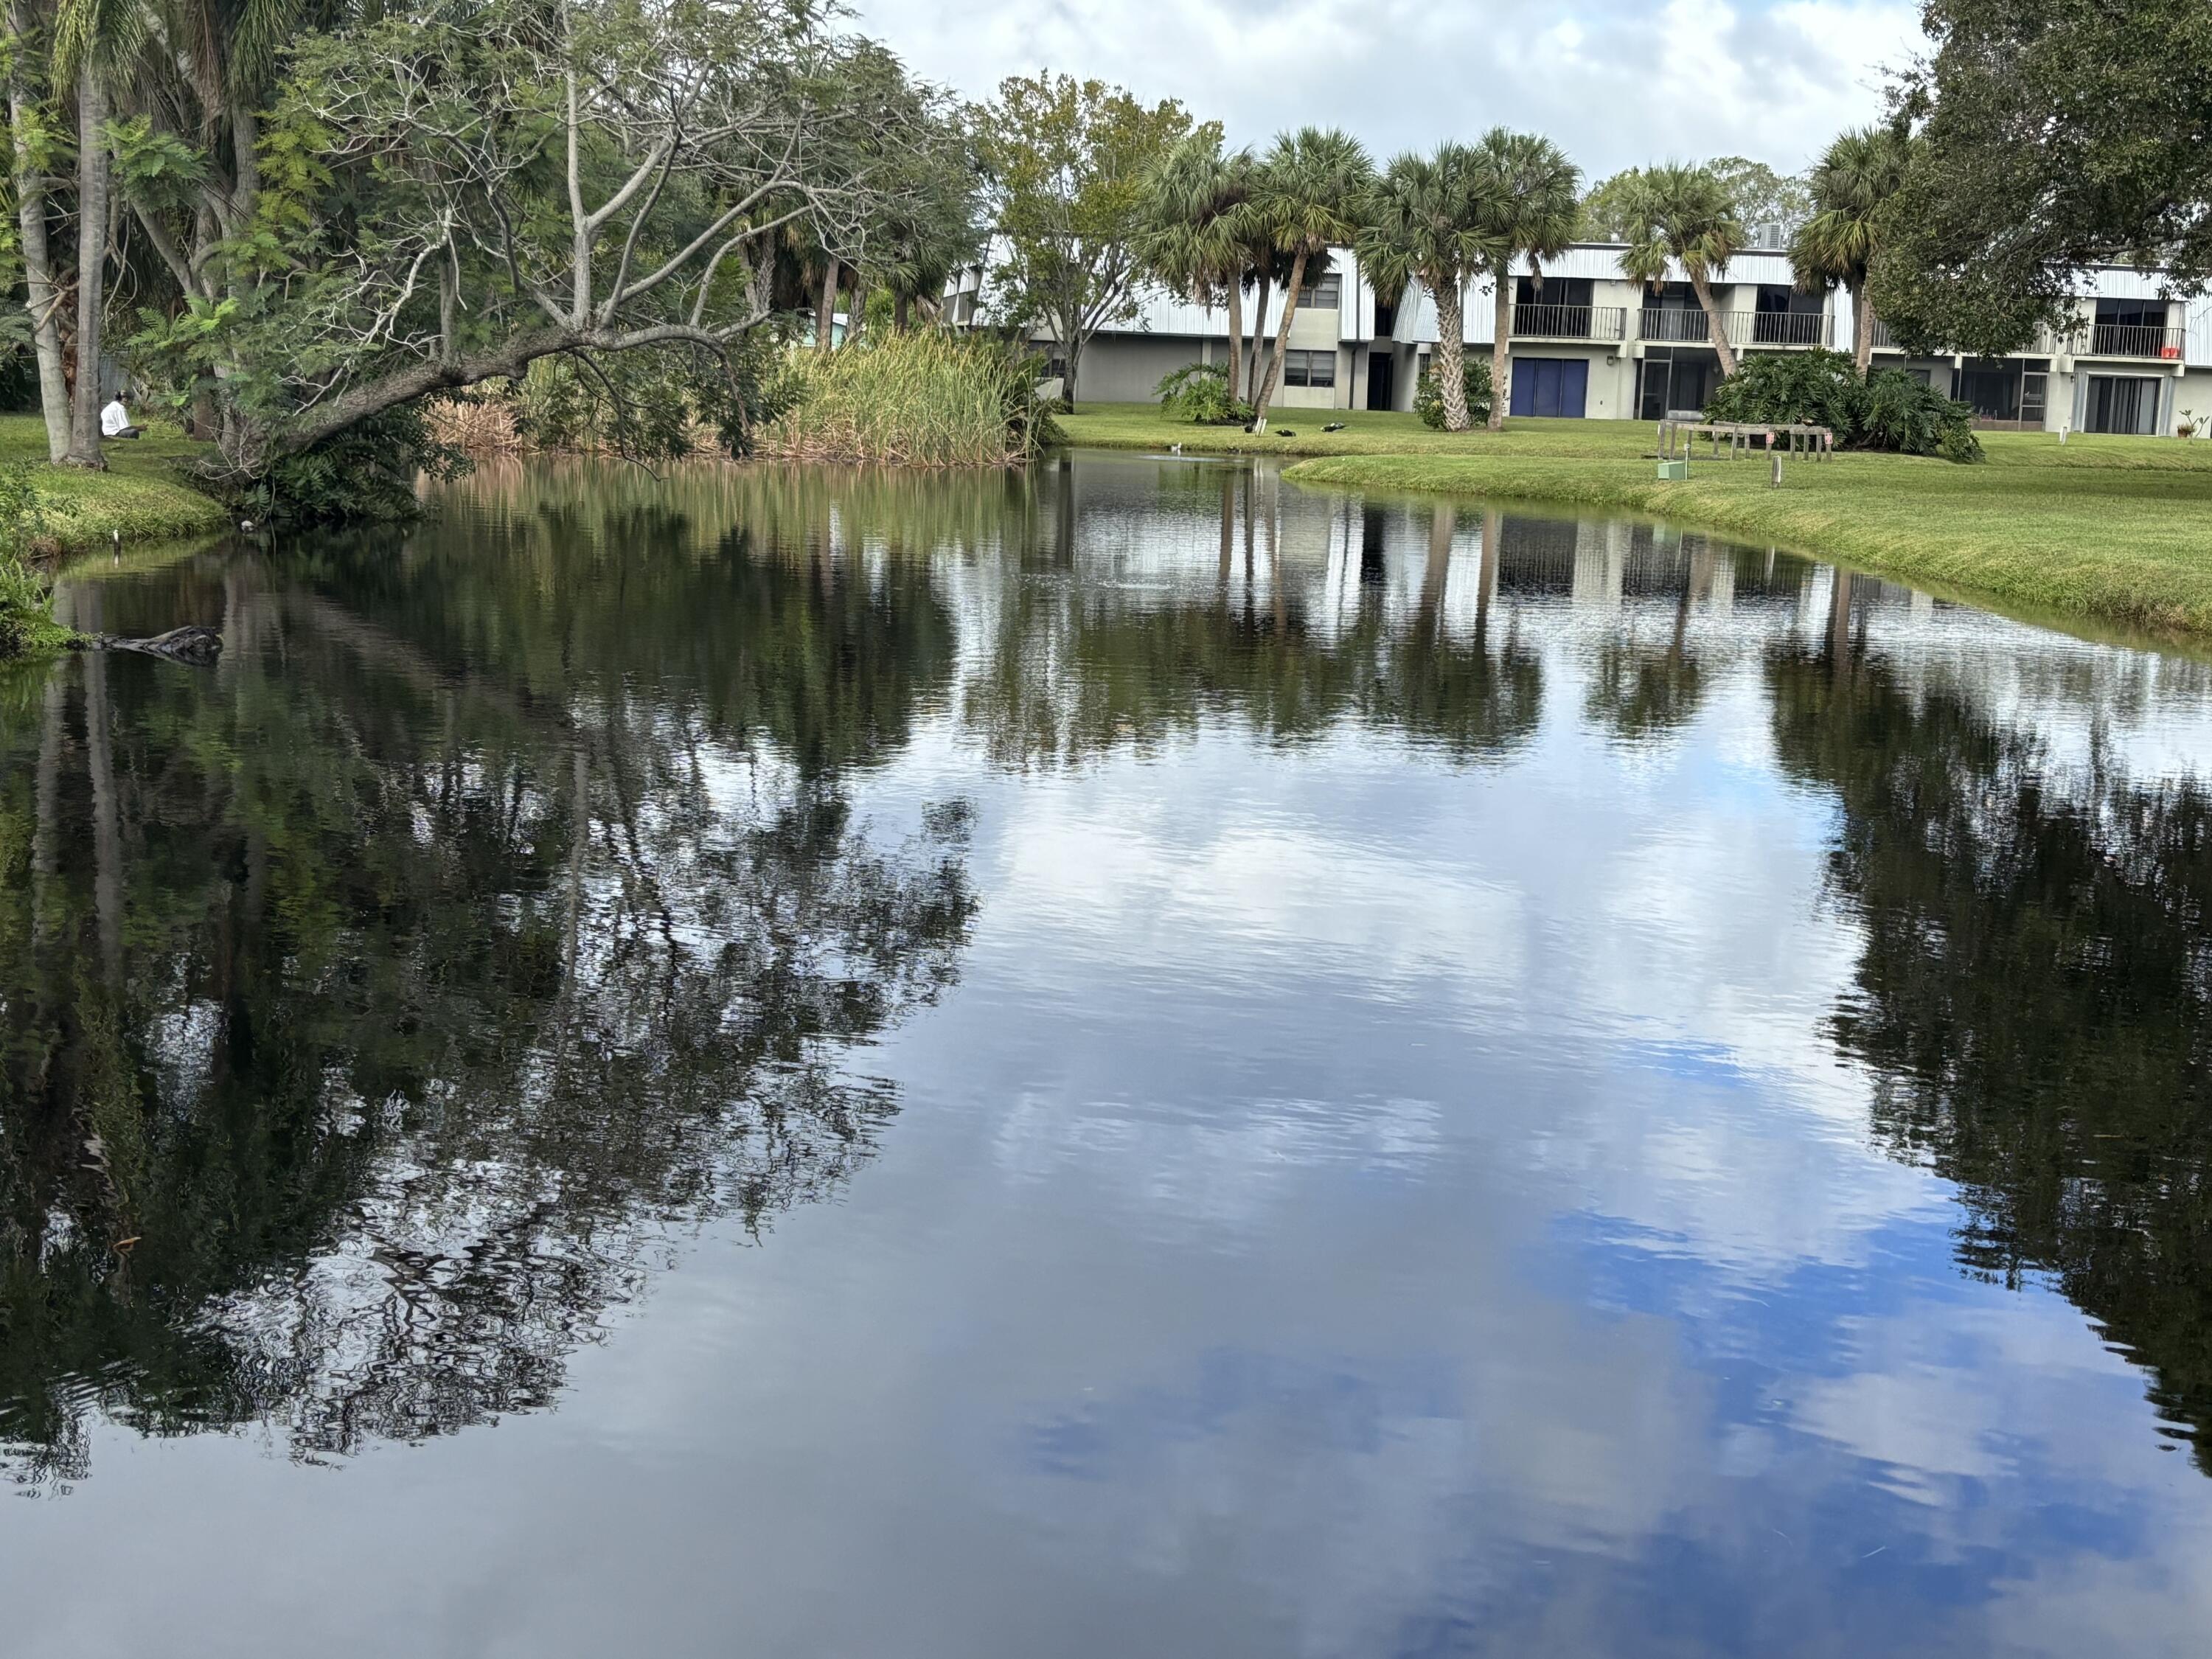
(1588, 341)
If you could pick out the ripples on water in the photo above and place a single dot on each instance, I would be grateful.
(1129, 1060)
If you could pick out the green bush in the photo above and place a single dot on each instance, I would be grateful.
(1898, 413)
(1889, 410)
(923, 399)
(1199, 392)
(1807, 388)
(1429, 394)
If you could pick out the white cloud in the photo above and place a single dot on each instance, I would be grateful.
(1615, 83)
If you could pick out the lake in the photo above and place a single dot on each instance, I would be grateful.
(1126, 1060)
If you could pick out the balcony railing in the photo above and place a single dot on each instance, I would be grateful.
(2133, 340)
(2088, 339)
(1543, 322)
(1739, 328)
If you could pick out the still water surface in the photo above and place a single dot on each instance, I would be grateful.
(1132, 1060)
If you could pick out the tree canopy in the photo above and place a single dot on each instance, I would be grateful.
(2052, 135)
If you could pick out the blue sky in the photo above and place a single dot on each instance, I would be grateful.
(1616, 82)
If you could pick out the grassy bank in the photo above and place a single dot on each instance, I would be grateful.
(2114, 529)
(141, 496)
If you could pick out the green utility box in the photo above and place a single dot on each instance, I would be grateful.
(1673, 471)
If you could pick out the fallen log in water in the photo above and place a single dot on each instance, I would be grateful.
(191, 644)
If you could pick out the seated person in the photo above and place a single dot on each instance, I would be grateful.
(115, 420)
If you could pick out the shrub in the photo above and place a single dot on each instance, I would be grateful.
(1899, 413)
(1809, 388)
(1429, 394)
(1200, 393)
(916, 399)
(368, 471)
(1889, 410)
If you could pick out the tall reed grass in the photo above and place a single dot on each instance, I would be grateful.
(482, 425)
(924, 399)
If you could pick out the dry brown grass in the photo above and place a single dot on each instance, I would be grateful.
(474, 426)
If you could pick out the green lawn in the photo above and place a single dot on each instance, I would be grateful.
(142, 495)
(2113, 529)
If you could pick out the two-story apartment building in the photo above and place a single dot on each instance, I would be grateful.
(1588, 341)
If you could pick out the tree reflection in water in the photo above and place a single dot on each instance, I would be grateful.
(372, 1008)
(2034, 996)
(377, 1006)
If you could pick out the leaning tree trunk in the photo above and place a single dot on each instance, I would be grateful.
(1715, 329)
(1264, 393)
(42, 298)
(1861, 330)
(1236, 334)
(1259, 333)
(1501, 349)
(91, 270)
(1451, 356)
(825, 304)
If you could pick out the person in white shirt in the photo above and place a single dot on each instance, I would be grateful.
(115, 420)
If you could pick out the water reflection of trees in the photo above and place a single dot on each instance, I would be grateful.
(2033, 995)
(1076, 668)
(374, 1005)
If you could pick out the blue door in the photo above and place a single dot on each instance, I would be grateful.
(1550, 386)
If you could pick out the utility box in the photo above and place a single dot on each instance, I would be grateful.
(1674, 471)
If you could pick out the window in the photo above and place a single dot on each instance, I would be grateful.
(1310, 369)
(1322, 294)
(1925, 376)
(2032, 389)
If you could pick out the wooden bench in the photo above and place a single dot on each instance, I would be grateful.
(1818, 441)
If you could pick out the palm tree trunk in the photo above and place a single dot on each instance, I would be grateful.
(1501, 349)
(1485, 579)
(903, 313)
(1451, 356)
(1443, 523)
(1715, 329)
(1266, 392)
(42, 299)
(1228, 527)
(825, 303)
(1259, 333)
(1235, 334)
(1861, 330)
(91, 269)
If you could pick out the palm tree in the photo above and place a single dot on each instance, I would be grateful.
(1199, 232)
(42, 294)
(1682, 214)
(1861, 171)
(95, 41)
(1527, 199)
(1422, 226)
(1310, 196)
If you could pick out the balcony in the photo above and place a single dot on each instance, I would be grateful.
(2131, 340)
(1569, 322)
(2086, 339)
(1740, 328)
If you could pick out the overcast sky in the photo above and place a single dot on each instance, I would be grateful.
(1616, 82)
